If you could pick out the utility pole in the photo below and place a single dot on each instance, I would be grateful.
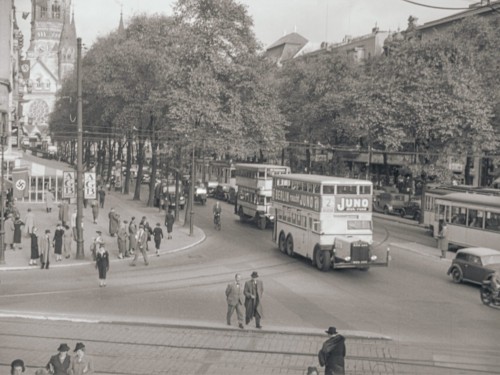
(79, 165)
(5, 89)
(191, 195)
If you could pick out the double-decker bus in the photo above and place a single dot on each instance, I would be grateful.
(255, 182)
(325, 219)
(433, 192)
(473, 220)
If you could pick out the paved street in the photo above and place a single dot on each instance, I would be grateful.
(169, 317)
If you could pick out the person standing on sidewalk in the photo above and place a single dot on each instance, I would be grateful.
(122, 240)
(158, 235)
(142, 243)
(443, 239)
(132, 236)
(147, 229)
(49, 200)
(34, 247)
(332, 353)
(81, 364)
(68, 240)
(9, 233)
(114, 222)
(44, 246)
(95, 210)
(234, 298)
(59, 364)
(18, 233)
(102, 264)
(64, 212)
(29, 222)
(73, 226)
(254, 289)
(58, 241)
(169, 223)
(102, 196)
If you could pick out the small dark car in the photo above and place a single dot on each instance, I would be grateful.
(474, 264)
(172, 201)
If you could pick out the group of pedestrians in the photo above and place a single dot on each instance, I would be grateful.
(61, 363)
(248, 295)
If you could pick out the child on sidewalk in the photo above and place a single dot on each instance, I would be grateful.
(158, 235)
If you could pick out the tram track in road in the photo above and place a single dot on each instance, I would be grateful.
(249, 349)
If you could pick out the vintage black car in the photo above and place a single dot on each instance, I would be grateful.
(474, 264)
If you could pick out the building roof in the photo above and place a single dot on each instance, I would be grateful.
(292, 38)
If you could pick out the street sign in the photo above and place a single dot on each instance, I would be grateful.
(69, 188)
(89, 186)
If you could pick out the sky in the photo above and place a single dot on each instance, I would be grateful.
(316, 20)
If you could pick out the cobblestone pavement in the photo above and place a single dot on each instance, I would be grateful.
(119, 348)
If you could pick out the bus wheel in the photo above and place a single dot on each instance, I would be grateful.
(289, 245)
(282, 243)
(322, 258)
(262, 222)
(456, 275)
(242, 215)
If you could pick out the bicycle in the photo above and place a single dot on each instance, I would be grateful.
(217, 221)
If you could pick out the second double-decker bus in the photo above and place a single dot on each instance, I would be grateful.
(473, 220)
(325, 219)
(255, 182)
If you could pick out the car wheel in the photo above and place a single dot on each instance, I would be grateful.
(289, 245)
(322, 258)
(386, 210)
(402, 213)
(282, 242)
(456, 275)
(416, 216)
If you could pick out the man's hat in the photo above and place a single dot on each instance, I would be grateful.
(98, 232)
(63, 348)
(79, 345)
(254, 275)
(17, 363)
(331, 330)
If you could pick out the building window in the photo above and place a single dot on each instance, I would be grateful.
(56, 10)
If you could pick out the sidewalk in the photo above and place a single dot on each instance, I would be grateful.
(125, 206)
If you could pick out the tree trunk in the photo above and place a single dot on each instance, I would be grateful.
(110, 160)
(140, 163)
(154, 164)
(129, 164)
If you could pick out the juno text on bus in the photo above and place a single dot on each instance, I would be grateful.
(325, 219)
(254, 182)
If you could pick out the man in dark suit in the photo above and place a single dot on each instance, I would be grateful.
(332, 353)
(234, 297)
(254, 289)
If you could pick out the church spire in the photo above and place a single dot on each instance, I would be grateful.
(67, 44)
(121, 28)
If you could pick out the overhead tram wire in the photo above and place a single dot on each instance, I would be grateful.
(433, 6)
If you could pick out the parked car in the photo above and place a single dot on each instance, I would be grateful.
(391, 202)
(474, 264)
(172, 201)
(221, 192)
(211, 185)
(200, 194)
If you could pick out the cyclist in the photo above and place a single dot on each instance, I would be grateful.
(217, 210)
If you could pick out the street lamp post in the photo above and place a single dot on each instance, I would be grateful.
(191, 196)
(79, 165)
(2, 192)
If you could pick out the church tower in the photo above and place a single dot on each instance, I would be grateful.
(51, 55)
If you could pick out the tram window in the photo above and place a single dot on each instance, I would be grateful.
(475, 218)
(328, 189)
(492, 221)
(317, 188)
(262, 174)
(458, 215)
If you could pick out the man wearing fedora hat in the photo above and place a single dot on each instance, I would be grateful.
(17, 367)
(59, 364)
(254, 289)
(81, 363)
(332, 353)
